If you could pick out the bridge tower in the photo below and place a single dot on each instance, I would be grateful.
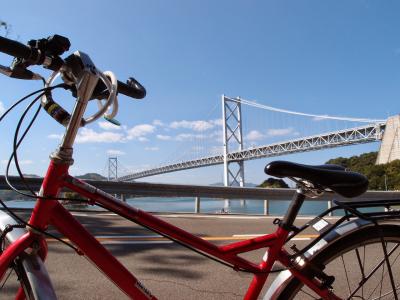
(112, 168)
(232, 140)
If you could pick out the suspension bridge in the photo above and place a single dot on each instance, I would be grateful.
(235, 150)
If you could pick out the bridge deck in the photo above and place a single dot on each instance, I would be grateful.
(364, 134)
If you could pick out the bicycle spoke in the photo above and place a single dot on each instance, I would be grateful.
(383, 273)
(7, 277)
(373, 272)
(362, 288)
(361, 265)
(398, 255)
(389, 269)
(365, 266)
(384, 295)
(347, 277)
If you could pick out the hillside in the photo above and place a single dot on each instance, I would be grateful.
(92, 176)
(274, 183)
(381, 177)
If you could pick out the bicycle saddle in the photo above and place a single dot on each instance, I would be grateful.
(345, 183)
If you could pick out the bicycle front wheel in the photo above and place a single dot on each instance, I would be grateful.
(26, 277)
(358, 264)
(16, 282)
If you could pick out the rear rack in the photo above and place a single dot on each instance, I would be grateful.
(351, 211)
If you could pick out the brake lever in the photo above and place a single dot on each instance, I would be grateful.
(19, 73)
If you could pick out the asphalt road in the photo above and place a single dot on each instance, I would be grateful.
(168, 270)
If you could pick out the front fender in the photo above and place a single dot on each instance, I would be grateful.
(33, 266)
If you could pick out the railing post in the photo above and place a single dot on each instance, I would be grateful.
(123, 198)
(197, 205)
(329, 207)
(266, 208)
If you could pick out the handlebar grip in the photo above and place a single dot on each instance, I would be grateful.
(17, 49)
(132, 88)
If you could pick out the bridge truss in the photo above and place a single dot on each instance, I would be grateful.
(358, 135)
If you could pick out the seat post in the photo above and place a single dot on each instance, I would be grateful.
(293, 210)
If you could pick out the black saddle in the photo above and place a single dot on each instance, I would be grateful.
(345, 183)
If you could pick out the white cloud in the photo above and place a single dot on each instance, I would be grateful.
(55, 136)
(140, 131)
(152, 148)
(87, 135)
(199, 125)
(217, 150)
(2, 109)
(189, 136)
(143, 139)
(164, 137)
(184, 136)
(281, 131)
(108, 126)
(158, 123)
(217, 122)
(254, 135)
(115, 152)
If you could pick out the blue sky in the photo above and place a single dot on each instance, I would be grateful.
(323, 57)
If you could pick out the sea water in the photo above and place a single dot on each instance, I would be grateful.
(182, 205)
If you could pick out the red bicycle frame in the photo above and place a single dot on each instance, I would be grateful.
(52, 212)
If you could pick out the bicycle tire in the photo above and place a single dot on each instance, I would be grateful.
(26, 271)
(345, 248)
(17, 272)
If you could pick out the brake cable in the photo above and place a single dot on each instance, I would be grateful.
(16, 145)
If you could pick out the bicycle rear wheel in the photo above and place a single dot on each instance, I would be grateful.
(358, 263)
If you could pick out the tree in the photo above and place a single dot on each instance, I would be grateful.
(381, 177)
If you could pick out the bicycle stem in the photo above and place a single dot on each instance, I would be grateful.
(85, 87)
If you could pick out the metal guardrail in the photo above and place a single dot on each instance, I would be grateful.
(144, 189)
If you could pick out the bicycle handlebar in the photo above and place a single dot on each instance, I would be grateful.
(17, 49)
(131, 89)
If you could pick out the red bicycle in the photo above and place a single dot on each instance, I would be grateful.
(365, 245)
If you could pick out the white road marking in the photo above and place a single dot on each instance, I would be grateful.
(248, 235)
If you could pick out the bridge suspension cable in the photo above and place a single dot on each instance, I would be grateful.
(270, 108)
